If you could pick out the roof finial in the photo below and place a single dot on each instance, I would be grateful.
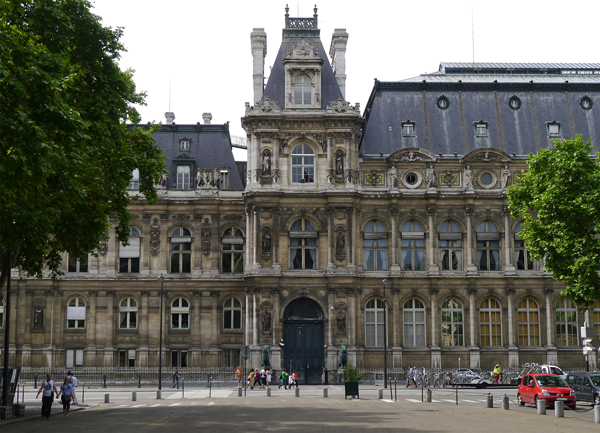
(315, 17)
(287, 11)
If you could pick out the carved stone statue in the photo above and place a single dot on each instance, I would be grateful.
(393, 176)
(164, 177)
(341, 322)
(266, 357)
(468, 178)
(340, 244)
(505, 177)
(430, 174)
(343, 357)
(339, 164)
(207, 177)
(215, 178)
(266, 164)
(266, 243)
(38, 318)
(266, 322)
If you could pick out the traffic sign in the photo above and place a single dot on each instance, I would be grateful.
(245, 351)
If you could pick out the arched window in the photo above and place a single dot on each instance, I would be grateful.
(488, 247)
(374, 323)
(528, 321)
(128, 313)
(232, 251)
(1, 313)
(375, 251)
(452, 323)
(523, 260)
(413, 247)
(303, 164)
(76, 313)
(450, 247)
(490, 323)
(303, 245)
(181, 251)
(232, 314)
(567, 332)
(129, 256)
(414, 323)
(180, 314)
(302, 90)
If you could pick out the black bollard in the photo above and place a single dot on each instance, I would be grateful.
(326, 376)
(139, 380)
(83, 394)
(104, 380)
(395, 389)
(35, 382)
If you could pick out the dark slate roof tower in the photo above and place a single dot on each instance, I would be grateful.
(514, 107)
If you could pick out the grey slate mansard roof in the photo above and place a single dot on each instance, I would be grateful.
(210, 147)
(547, 92)
(275, 88)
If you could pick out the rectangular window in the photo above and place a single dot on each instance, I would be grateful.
(184, 145)
(231, 358)
(481, 129)
(554, 129)
(450, 255)
(179, 358)
(224, 179)
(134, 183)
(127, 358)
(74, 358)
(408, 129)
(183, 177)
(77, 264)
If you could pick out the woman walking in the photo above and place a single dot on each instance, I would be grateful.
(65, 392)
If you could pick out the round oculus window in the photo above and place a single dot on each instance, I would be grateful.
(487, 179)
(443, 103)
(514, 103)
(586, 103)
(412, 179)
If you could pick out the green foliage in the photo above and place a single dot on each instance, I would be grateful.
(351, 373)
(559, 200)
(66, 152)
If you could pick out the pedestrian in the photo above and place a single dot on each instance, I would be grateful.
(294, 379)
(65, 397)
(74, 383)
(256, 378)
(497, 372)
(238, 376)
(269, 374)
(263, 378)
(176, 378)
(250, 380)
(283, 379)
(49, 389)
(290, 381)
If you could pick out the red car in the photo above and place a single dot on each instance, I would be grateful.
(548, 387)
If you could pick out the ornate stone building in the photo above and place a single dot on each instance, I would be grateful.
(295, 244)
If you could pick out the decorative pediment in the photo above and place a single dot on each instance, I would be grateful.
(303, 51)
(411, 154)
(267, 105)
(339, 105)
(487, 155)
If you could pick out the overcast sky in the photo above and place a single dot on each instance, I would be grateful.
(198, 51)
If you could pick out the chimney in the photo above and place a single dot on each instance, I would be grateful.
(207, 117)
(258, 42)
(170, 117)
(337, 51)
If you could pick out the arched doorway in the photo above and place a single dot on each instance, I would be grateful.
(304, 338)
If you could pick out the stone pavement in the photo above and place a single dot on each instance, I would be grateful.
(310, 412)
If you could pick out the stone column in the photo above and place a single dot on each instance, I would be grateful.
(431, 211)
(396, 309)
(470, 209)
(257, 160)
(110, 329)
(255, 239)
(510, 295)
(351, 232)
(349, 159)
(433, 292)
(549, 310)
(394, 222)
(254, 333)
(275, 234)
(215, 249)
(330, 236)
(276, 172)
(249, 236)
(143, 320)
(214, 301)
(472, 319)
(509, 267)
(352, 319)
(330, 160)
(247, 327)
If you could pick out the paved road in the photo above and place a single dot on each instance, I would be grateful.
(225, 412)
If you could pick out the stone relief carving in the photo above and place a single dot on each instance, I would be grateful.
(339, 105)
(430, 177)
(341, 322)
(233, 217)
(205, 236)
(285, 213)
(393, 177)
(103, 249)
(322, 140)
(266, 322)
(303, 50)
(266, 242)
(276, 174)
(468, 178)
(155, 238)
(505, 177)
(339, 164)
(340, 246)
(266, 163)
(267, 105)
(38, 318)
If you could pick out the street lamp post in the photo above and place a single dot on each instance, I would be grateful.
(384, 336)
(160, 332)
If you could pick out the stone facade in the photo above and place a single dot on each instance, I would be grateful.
(323, 211)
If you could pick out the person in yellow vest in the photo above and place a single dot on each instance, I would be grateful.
(238, 375)
(497, 371)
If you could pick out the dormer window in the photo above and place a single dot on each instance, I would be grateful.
(553, 128)
(183, 177)
(224, 178)
(184, 145)
(302, 90)
(481, 129)
(408, 129)
(134, 183)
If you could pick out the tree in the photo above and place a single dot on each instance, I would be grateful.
(559, 200)
(67, 153)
